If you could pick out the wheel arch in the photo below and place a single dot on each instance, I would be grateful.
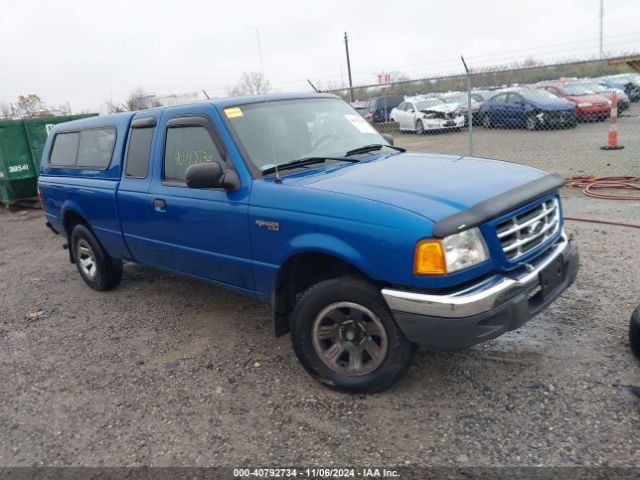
(300, 271)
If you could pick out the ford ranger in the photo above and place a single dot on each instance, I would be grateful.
(363, 250)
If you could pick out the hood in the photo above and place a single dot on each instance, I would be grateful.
(554, 105)
(588, 98)
(433, 186)
(443, 107)
(463, 106)
(619, 94)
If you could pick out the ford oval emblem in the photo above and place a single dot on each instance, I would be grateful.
(536, 228)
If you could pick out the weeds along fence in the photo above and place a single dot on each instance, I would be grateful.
(556, 117)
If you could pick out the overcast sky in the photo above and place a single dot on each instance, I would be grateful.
(87, 52)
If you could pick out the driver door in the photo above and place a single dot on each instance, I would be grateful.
(200, 232)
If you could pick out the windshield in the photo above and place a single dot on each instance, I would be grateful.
(283, 131)
(594, 87)
(456, 99)
(577, 90)
(428, 103)
(539, 96)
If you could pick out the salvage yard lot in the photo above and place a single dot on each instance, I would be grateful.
(165, 370)
(573, 151)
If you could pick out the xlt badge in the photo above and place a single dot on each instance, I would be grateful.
(271, 226)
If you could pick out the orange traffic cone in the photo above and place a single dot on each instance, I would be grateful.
(612, 139)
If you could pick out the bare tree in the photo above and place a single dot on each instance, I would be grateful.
(30, 106)
(114, 107)
(252, 83)
(65, 109)
(139, 99)
(7, 110)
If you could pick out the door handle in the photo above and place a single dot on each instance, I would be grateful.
(160, 205)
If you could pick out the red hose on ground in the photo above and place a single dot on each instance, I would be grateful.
(590, 183)
(604, 222)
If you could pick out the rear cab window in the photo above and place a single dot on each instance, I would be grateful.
(90, 148)
(139, 150)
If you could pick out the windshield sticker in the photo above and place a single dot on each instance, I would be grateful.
(360, 123)
(233, 112)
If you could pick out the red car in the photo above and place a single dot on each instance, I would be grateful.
(589, 106)
(594, 87)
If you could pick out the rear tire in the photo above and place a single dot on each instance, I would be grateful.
(345, 336)
(96, 267)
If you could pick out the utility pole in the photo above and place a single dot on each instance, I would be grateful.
(346, 46)
(601, 19)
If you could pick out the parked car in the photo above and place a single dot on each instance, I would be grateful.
(528, 107)
(460, 98)
(484, 95)
(378, 108)
(362, 250)
(629, 82)
(589, 106)
(427, 114)
(595, 87)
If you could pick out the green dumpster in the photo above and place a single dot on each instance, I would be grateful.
(21, 146)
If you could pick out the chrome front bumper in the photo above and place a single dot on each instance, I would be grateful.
(478, 298)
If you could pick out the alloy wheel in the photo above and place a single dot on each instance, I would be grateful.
(349, 339)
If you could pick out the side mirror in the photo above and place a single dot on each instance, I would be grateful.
(388, 137)
(210, 175)
(204, 175)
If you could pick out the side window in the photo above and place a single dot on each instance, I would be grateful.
(500, 98)
(402, 106)
(139, 152)
(96, 147)
(65, 149)
(514, 98)
(91, 148)
(187, 146)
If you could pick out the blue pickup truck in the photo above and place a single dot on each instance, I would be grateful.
(363, 250)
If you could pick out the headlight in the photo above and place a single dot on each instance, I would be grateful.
(455, 252)
(585, 104)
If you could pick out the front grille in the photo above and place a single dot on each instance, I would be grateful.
(525, 231)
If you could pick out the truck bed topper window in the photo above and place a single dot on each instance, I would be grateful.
(90, 148)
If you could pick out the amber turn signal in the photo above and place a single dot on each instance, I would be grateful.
(429, 258)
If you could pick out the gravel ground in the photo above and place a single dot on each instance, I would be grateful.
(167, 371)
(574, 151)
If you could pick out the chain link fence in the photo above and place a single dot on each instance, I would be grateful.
(556, 118)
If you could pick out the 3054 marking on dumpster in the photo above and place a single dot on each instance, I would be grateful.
(18, 168)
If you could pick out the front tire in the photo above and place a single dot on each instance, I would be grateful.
(345, 336)
(96, 267)
(419, 127)
(486, 121)
(531, 123)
